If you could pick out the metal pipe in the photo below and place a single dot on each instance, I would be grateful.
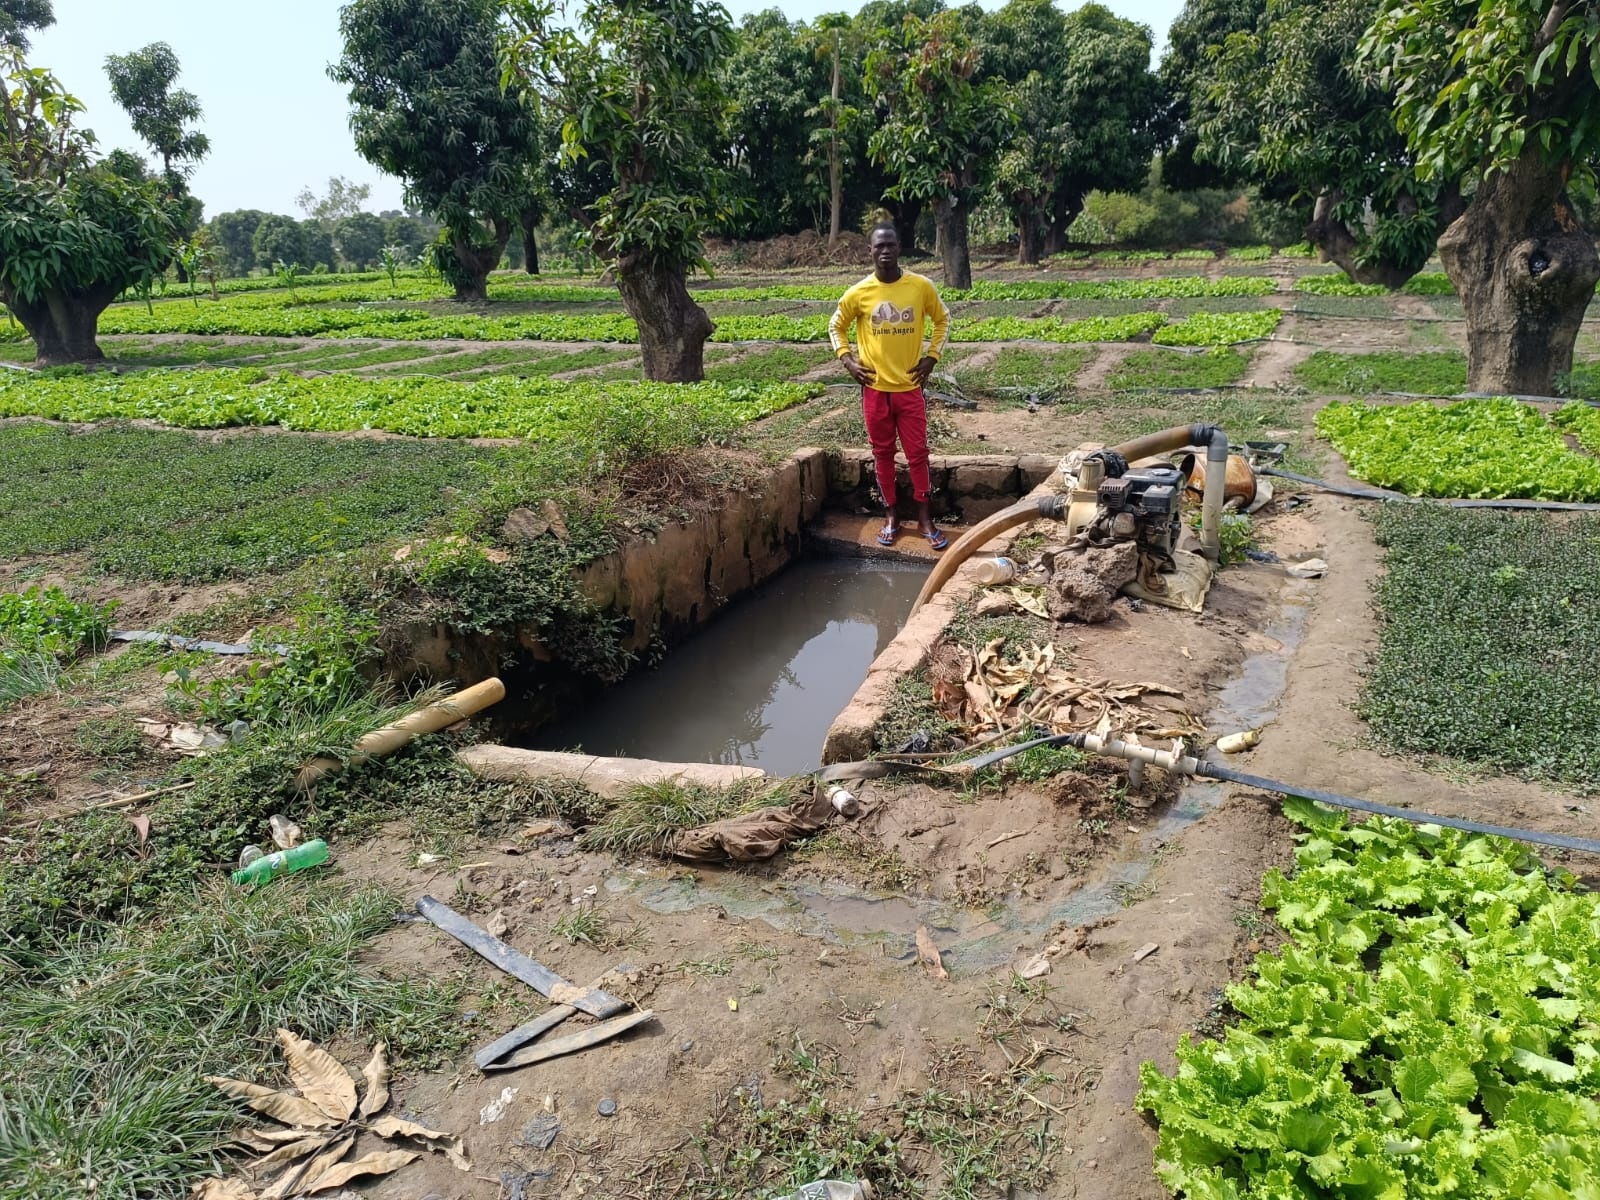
(1189, 765)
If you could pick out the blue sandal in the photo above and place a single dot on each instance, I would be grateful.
(886, 536)
(937, 539)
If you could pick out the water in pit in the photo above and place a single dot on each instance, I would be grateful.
(760, 685)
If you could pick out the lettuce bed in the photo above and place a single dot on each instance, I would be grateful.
(1476, 449)
(1430, 1030)
(501, 407)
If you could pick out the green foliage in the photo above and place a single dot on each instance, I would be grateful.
(1477, 83)
(108, 1035)
(428, 108)
(48, 621)
(1337, 284)
(1488, 637)
(1443, 373)
(573, 410)
(1219, 329)
(142, 83)
(1426, 1032)
(651, 811)
(19, 17)
(1582, 421)
(1289, 100)
(1164, 369)
(1474, 449)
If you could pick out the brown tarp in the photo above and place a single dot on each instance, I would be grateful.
(753, 836)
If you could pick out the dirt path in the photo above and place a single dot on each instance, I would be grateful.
(1107, 358)
(1274, 361)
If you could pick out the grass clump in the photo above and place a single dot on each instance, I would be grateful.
(912, 718)
(1439, 373)
(1489, 636)
(42, 630)
(1163, 369)
(651, 811)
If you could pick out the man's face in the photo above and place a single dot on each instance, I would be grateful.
(885, 246)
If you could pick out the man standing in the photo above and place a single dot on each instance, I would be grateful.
(889, 309)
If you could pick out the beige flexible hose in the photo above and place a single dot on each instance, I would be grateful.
(1019, 513)
(428, 719)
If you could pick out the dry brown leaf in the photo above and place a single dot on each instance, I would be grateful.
(298, 1180)
(222, 1189)
(1028, 601)
(290, 1152)
(376, 1163)
(447, 1144)
(291, 1110)
(928, 954)
(376, 1073)
(319, 1075)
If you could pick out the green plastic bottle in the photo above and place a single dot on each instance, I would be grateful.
(270, 866)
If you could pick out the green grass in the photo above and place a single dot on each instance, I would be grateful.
(165, 505)
(650, 811)
(1441, 373)
(1165, 369)
(769, 366)
(1245, 415)
(107, 1035)
(1219, 328)
(1489, 636)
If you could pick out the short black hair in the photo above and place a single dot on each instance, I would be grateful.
(884, 227)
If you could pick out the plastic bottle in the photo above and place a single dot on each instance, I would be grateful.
(845, 804)
(832, 1189)
(996, 570)
(284, 861)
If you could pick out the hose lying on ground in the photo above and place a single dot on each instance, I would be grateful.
(1383, 494)
(1186, 765)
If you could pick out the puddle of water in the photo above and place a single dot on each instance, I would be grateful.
(973, 941)
(760, 685)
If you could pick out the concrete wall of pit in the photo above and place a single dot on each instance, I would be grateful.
(668, 584)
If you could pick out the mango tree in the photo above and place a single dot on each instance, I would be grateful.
(429, 109)
(73, 233)
(1505, 94)
(636, 86)
(1288, 100)
(944, 127)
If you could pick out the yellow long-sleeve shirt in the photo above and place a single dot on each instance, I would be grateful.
(890, 320)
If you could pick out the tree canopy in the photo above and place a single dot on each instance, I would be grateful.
(18, 17)
(428, 108)
(73, 233)
(143, 84)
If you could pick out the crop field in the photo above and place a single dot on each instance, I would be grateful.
(339, 468)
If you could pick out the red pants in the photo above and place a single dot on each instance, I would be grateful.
(904, 414)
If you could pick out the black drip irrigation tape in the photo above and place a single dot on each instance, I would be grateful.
(1228, 775)
(1380, 494)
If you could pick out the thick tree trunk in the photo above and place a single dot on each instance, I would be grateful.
(476, 260)
(1063, 212)
(950, 215)
(1526, 271)
(906, 215)
(1031, 221)
(62, 325)
(835, 168)
(1336, 244)
(672, 328)
(529, 223)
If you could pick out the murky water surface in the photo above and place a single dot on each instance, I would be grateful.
(760, 685)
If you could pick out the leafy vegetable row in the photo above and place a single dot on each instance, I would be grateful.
(1476, 449)
(1430, 1030)
(498, 407)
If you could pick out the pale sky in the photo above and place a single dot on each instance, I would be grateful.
(277, 122)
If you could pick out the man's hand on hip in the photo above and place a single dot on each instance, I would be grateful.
(923, 369)
(862, 375)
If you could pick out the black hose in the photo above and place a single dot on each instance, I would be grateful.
(1213, 771)
(1381, 494)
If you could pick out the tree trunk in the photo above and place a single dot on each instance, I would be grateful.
(672, 328)
(475, 260)
(1526, 271)
(1031, 222)
(528, 222)
(183, 275)
(1063, 212)
(906, 215)
(950, 215)
(62, 325)
(1336, 244)
(835, 168)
